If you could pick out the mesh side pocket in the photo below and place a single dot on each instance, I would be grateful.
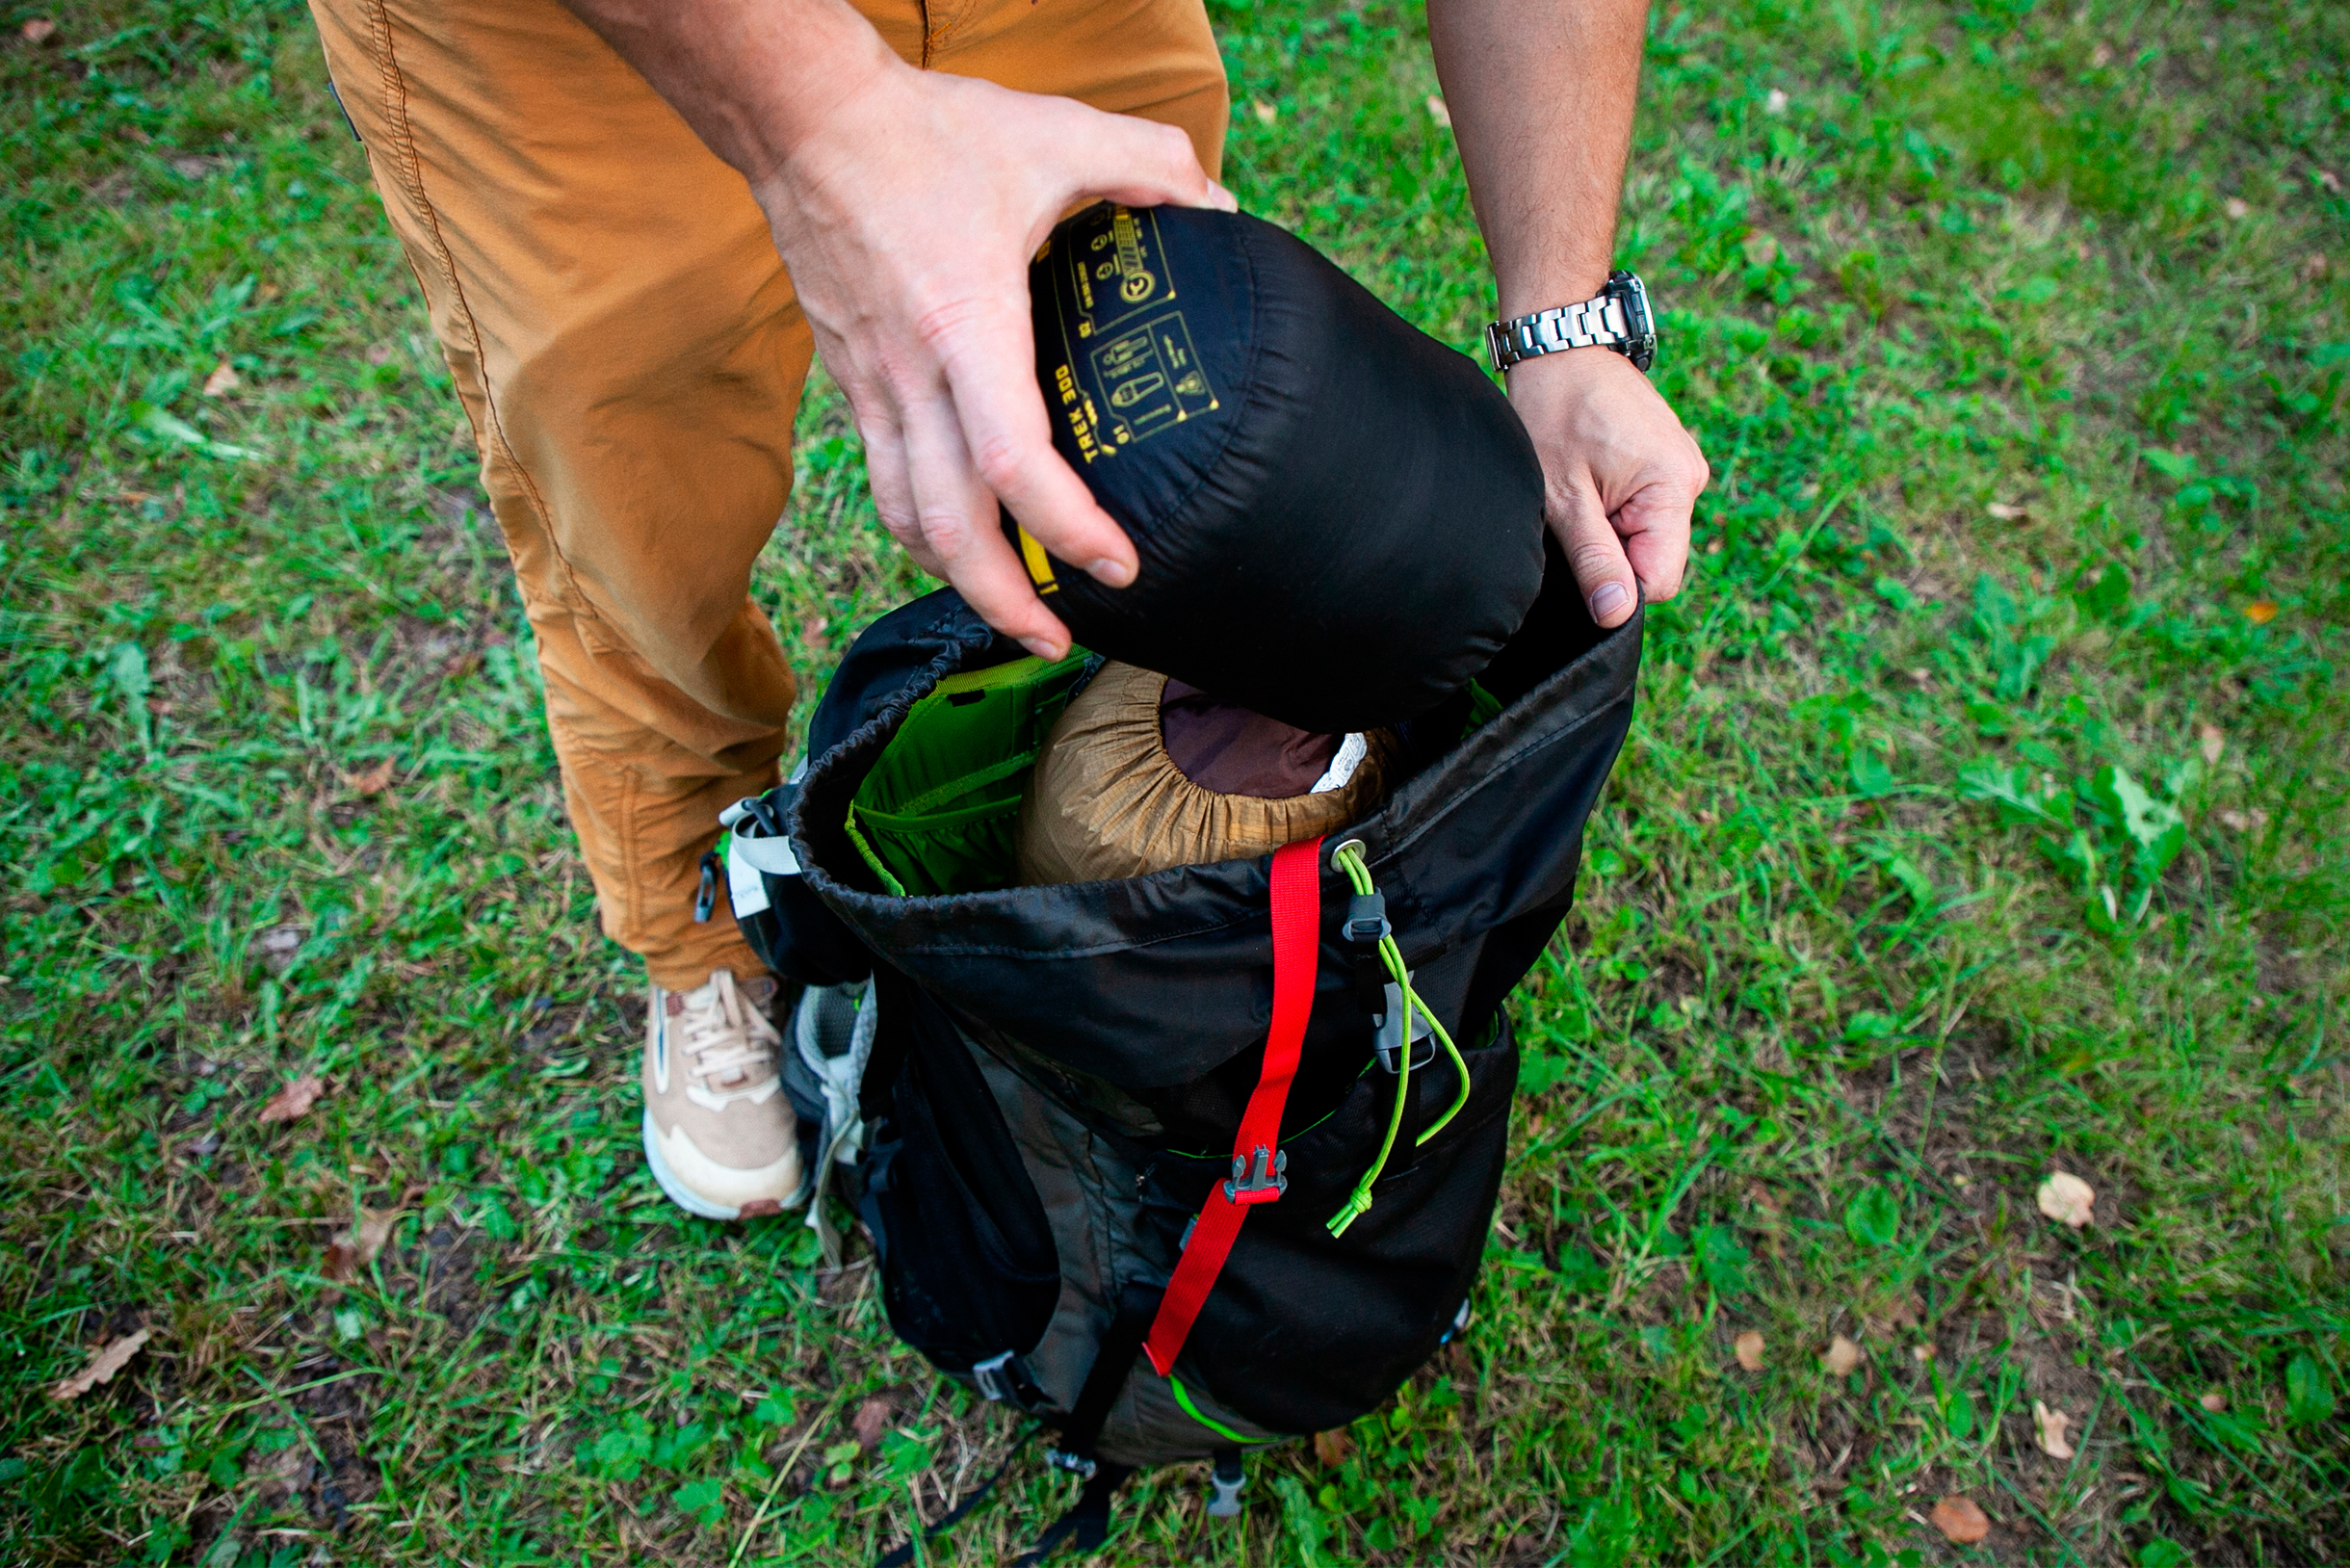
(968, 1265)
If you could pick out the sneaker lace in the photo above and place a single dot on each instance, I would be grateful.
(726, 1038)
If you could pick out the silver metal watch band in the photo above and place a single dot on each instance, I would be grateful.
(1593, 324)
(1618, 317)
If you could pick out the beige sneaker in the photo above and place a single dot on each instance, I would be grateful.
(718, 1133)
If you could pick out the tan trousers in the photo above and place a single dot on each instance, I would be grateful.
(630, 353)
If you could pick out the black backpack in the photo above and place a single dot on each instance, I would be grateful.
(1168, 1163)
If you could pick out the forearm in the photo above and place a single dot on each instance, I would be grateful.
(1541, 94)
(751, 77)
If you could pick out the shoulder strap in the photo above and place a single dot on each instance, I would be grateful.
(1257, 1160)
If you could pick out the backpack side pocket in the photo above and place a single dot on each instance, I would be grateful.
(968, 1265)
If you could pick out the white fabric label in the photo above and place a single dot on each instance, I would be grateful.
(1350, 754)
(742, 885)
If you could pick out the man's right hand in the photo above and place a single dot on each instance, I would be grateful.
(906, 205)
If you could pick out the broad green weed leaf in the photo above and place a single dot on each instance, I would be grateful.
(169, 427)
(1903, 871)
(904, 1455)
(2146, 820)
(2168, 463)
(2309, 1393)
(1603, 1537)
(2107, 596)
(1720, 1260)
(1865, 1025)
(1874, 1217)
(1870, 776)
(2010, 788)
(1307, 1525)
(703, 1500)
(1995, 608)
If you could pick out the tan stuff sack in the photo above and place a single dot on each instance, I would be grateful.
(1109, 801)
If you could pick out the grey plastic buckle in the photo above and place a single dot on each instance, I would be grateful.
(1226, 1502)
(1388, 1040)
(1075, 1464)
(994, 1375)
(1252, 1183)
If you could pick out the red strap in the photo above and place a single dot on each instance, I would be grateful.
(1255, 1149)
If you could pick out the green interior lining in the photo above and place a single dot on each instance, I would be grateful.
(938, 812)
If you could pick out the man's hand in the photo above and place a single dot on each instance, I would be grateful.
(1619, 475)
(906, 205)
(1541, 96)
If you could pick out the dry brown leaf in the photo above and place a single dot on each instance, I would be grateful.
(1840, 1357)
(1748, 1348)
(2261, 612)
(375, 1230)
(1265, 112)
(39, 30)
(872, 1420)
(2214, 743)
(2047, 1429)
(1960, 1519)
(2243, 822)
(2237, 208)
(2313, 267)
(2005, 511)
(1438, 113)
(1760, 248)
(101, 1369)
(223, 379)
(1332, 1448)
(342, 1261)
(1921, 1354)
(1774, 102)
(2213, 1401)
(2101, 56)
(374, 782)
(293, 1102)
(380, 354)
(2325, 176)
(278, 944)
(2066, 1198)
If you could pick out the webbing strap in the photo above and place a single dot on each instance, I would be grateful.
(1113, 1359)
(1255, 1149)
(1084, 1526)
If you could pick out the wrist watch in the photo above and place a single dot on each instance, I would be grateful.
(1616, 318)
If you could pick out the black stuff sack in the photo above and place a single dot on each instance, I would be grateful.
(1338, 518)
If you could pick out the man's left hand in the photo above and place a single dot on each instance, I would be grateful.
(1620, 474)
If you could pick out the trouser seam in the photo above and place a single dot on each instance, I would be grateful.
(408, 163)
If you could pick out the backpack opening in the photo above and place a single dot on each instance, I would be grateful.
(938, 812)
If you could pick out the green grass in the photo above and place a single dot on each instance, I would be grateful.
(1979, 821)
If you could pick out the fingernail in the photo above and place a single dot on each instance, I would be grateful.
(1609, 598)
(1221, 197)
(1115, 573)
(1042, 648)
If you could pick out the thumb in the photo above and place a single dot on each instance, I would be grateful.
(1139, 163)
(1592, 549)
